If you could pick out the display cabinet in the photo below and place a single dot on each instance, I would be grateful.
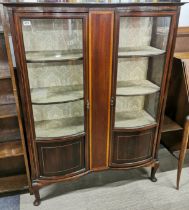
(93, 78)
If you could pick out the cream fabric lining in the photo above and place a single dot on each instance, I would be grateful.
(53, 79)
(48, 40)
(135, 33)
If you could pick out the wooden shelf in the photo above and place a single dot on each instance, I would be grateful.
(8, 110)
(59, 127)
(172, 140)
(171, 135)
(13, 183)
(9, 135)
(144, 51)
(4, 74)
(7, 99)
(136, 87)
(170, 125)
(11, 149)
(133, 119)
(57, 94)
(53, 56)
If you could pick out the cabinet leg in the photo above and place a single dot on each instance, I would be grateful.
(37, 200)
(153, 172)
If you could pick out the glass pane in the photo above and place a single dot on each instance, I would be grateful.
(54, 55)
(141, 58)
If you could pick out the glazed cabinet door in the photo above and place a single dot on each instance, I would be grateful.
(140, 67)
(54, 91)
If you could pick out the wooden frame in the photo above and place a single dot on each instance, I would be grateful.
(13, 153)
(153, 160)
(25, 84)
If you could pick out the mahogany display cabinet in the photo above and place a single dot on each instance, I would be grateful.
(93, 78)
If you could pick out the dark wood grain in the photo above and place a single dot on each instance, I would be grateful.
(11, 149)
(100, 59)
(176, 107)
(9, 130)
(131, 147)
(4, 74)
(12, 163)
(61, 158)
(177, 104)
(6, 92)
(13, 183)
(170, 125)
(8, 110)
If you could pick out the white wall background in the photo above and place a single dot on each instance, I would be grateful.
(184, 15)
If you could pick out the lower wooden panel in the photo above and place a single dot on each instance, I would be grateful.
(131, 147)
(61, 158)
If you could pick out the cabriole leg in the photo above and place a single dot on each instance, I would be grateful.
(37, 200)
(153, 171)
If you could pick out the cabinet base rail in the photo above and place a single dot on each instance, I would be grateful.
(40, 183)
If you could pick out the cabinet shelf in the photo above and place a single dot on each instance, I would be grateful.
(59, 127)
(13, 183)
(53, 56)
(9, 135)
(133, 119)
(7, 99)
(57, 94)
(170, 125)
(4, 74)
(139, 51)
(8, 110)
(136, 87)
(12, 149)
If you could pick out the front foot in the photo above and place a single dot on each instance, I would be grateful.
(36, 202)
(153, 171)
(153, 179)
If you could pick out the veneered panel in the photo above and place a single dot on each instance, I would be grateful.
(132, 147)
(100, 59)
(61, 158)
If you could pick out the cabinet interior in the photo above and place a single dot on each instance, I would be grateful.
(141, 58)
(58, 98)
